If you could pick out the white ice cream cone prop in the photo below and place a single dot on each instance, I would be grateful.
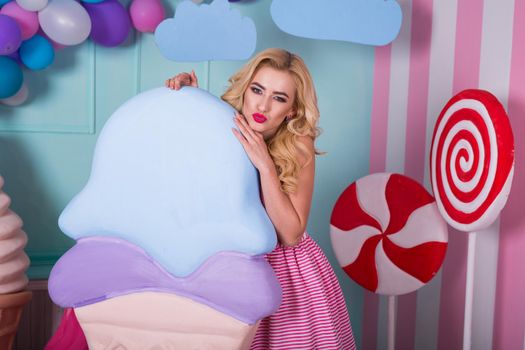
(13, 260)
(11, 306)
(13, 264)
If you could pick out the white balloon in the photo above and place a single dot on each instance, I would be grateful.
(32, 5)
(18, 98)
(65, 22)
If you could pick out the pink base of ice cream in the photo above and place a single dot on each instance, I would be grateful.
(153, 320)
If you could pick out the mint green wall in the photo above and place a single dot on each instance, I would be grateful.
(46, 145)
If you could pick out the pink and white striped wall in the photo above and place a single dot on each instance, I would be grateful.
(446, 46)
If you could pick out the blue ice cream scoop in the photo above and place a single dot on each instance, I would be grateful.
(172, 205)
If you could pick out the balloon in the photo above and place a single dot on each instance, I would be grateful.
(18, 98)
(28, 21)
(3, 2)
(32, 5)
(146, 14)
(56, 45)
(37, 53)
(65, 21)
(10, 35)
(11, 77)
(111, 23)
(92, 1)
(15, 55)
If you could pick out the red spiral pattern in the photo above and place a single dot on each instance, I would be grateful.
(472, 159)
(418, 258)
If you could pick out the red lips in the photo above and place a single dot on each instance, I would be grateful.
(259, 118)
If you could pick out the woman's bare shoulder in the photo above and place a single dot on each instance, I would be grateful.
(306, 149)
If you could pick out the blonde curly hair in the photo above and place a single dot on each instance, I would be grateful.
(284, 146)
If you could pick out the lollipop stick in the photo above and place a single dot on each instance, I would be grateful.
(391, 322)
(469, 291)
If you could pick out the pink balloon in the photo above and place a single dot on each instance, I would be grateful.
(146, 14)
(27, 20)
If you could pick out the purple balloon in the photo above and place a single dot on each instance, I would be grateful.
(10, 35)
(15, 55)
(110, 22)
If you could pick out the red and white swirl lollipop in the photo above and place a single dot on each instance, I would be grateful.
(388, 234)
(472, 160)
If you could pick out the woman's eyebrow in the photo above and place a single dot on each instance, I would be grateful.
(274, 92)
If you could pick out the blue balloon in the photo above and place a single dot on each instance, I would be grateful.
(3, 2)
(11, 77)
(37, 52)
(90, 1)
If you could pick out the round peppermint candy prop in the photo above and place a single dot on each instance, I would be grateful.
(388, 234)
(472, 160)
(471, 167)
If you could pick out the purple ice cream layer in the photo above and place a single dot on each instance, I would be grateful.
(98, 268)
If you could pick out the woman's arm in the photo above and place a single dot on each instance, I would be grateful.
(288, 213)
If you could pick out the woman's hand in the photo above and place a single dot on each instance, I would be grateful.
(253, 143)
(182, 79)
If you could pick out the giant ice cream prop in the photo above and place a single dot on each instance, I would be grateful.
(13, 264)
(170, 230)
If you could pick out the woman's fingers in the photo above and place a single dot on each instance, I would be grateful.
(244, 128)
(182, 79)
(193, 79)
(187, 79)
(252, 142)
(240, 137)
(179, 81)
(171, 83)
(255, 136)
(244, 142)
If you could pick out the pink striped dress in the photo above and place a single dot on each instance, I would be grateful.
(313, 312)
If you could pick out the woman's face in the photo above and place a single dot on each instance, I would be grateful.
(268, 99)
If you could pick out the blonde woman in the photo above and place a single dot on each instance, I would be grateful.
(277, 126)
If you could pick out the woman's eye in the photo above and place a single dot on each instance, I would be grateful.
(256, 90)
(280, 99)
